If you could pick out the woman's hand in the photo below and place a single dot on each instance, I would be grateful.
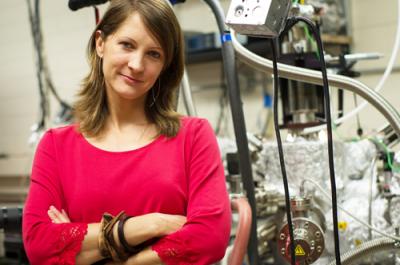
(58, 217)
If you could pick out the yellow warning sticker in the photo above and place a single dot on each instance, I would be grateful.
(342, 225)
(357, 242)
(299, 251)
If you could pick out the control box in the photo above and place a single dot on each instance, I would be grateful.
(258, 17)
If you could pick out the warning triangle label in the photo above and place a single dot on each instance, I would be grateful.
(299, 251)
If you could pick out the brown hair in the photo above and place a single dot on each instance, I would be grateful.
(91, 109)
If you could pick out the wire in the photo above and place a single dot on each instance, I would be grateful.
(387, 152)
(280, 152)
(359, 128)
(371, 183)
(375, 140)
(44, 79)
(311, 40)
(350, 214)
(222, 102)
(317, 37)
(315, 30)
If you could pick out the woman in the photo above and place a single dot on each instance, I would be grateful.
(130, 154)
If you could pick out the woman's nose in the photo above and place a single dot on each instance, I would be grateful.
(136, 62)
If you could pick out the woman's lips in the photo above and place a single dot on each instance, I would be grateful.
(131, 80)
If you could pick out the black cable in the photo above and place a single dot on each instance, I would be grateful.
(222, 102)
(359, 128)
(340, 103)
(274, 43)
(239, 125)
(291, 22)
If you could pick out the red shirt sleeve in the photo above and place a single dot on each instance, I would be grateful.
(44, 241)
(205, 236)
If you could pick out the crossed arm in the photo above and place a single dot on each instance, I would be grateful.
(136, 230)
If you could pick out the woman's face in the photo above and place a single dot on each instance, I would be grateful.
(132, 60)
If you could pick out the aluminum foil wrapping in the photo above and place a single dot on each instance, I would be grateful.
(303, 159)
(359, 191)
(395, 183)
(351, 232)
(395, 211)
(355, 179)
(309, 159)
(395, 189)
(358, 157)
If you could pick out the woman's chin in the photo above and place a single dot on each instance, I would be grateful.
(130, 96)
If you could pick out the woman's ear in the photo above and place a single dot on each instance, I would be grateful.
(99, 43)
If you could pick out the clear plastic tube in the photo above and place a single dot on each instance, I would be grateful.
(187, 95)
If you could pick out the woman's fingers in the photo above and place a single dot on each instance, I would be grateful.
(52, 216)
(58, 217)
(65, 215)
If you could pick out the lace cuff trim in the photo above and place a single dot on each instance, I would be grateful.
(70, 243)
(172, 253)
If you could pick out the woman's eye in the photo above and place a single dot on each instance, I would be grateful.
(126, 45)
(155, 54)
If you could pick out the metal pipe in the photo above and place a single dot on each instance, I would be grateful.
(187, 95)
(315, 77)
(355, 57)
(229, 62)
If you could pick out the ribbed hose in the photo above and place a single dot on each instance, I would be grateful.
(366, 249)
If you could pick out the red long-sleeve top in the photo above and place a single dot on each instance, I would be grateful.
(180, 175)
